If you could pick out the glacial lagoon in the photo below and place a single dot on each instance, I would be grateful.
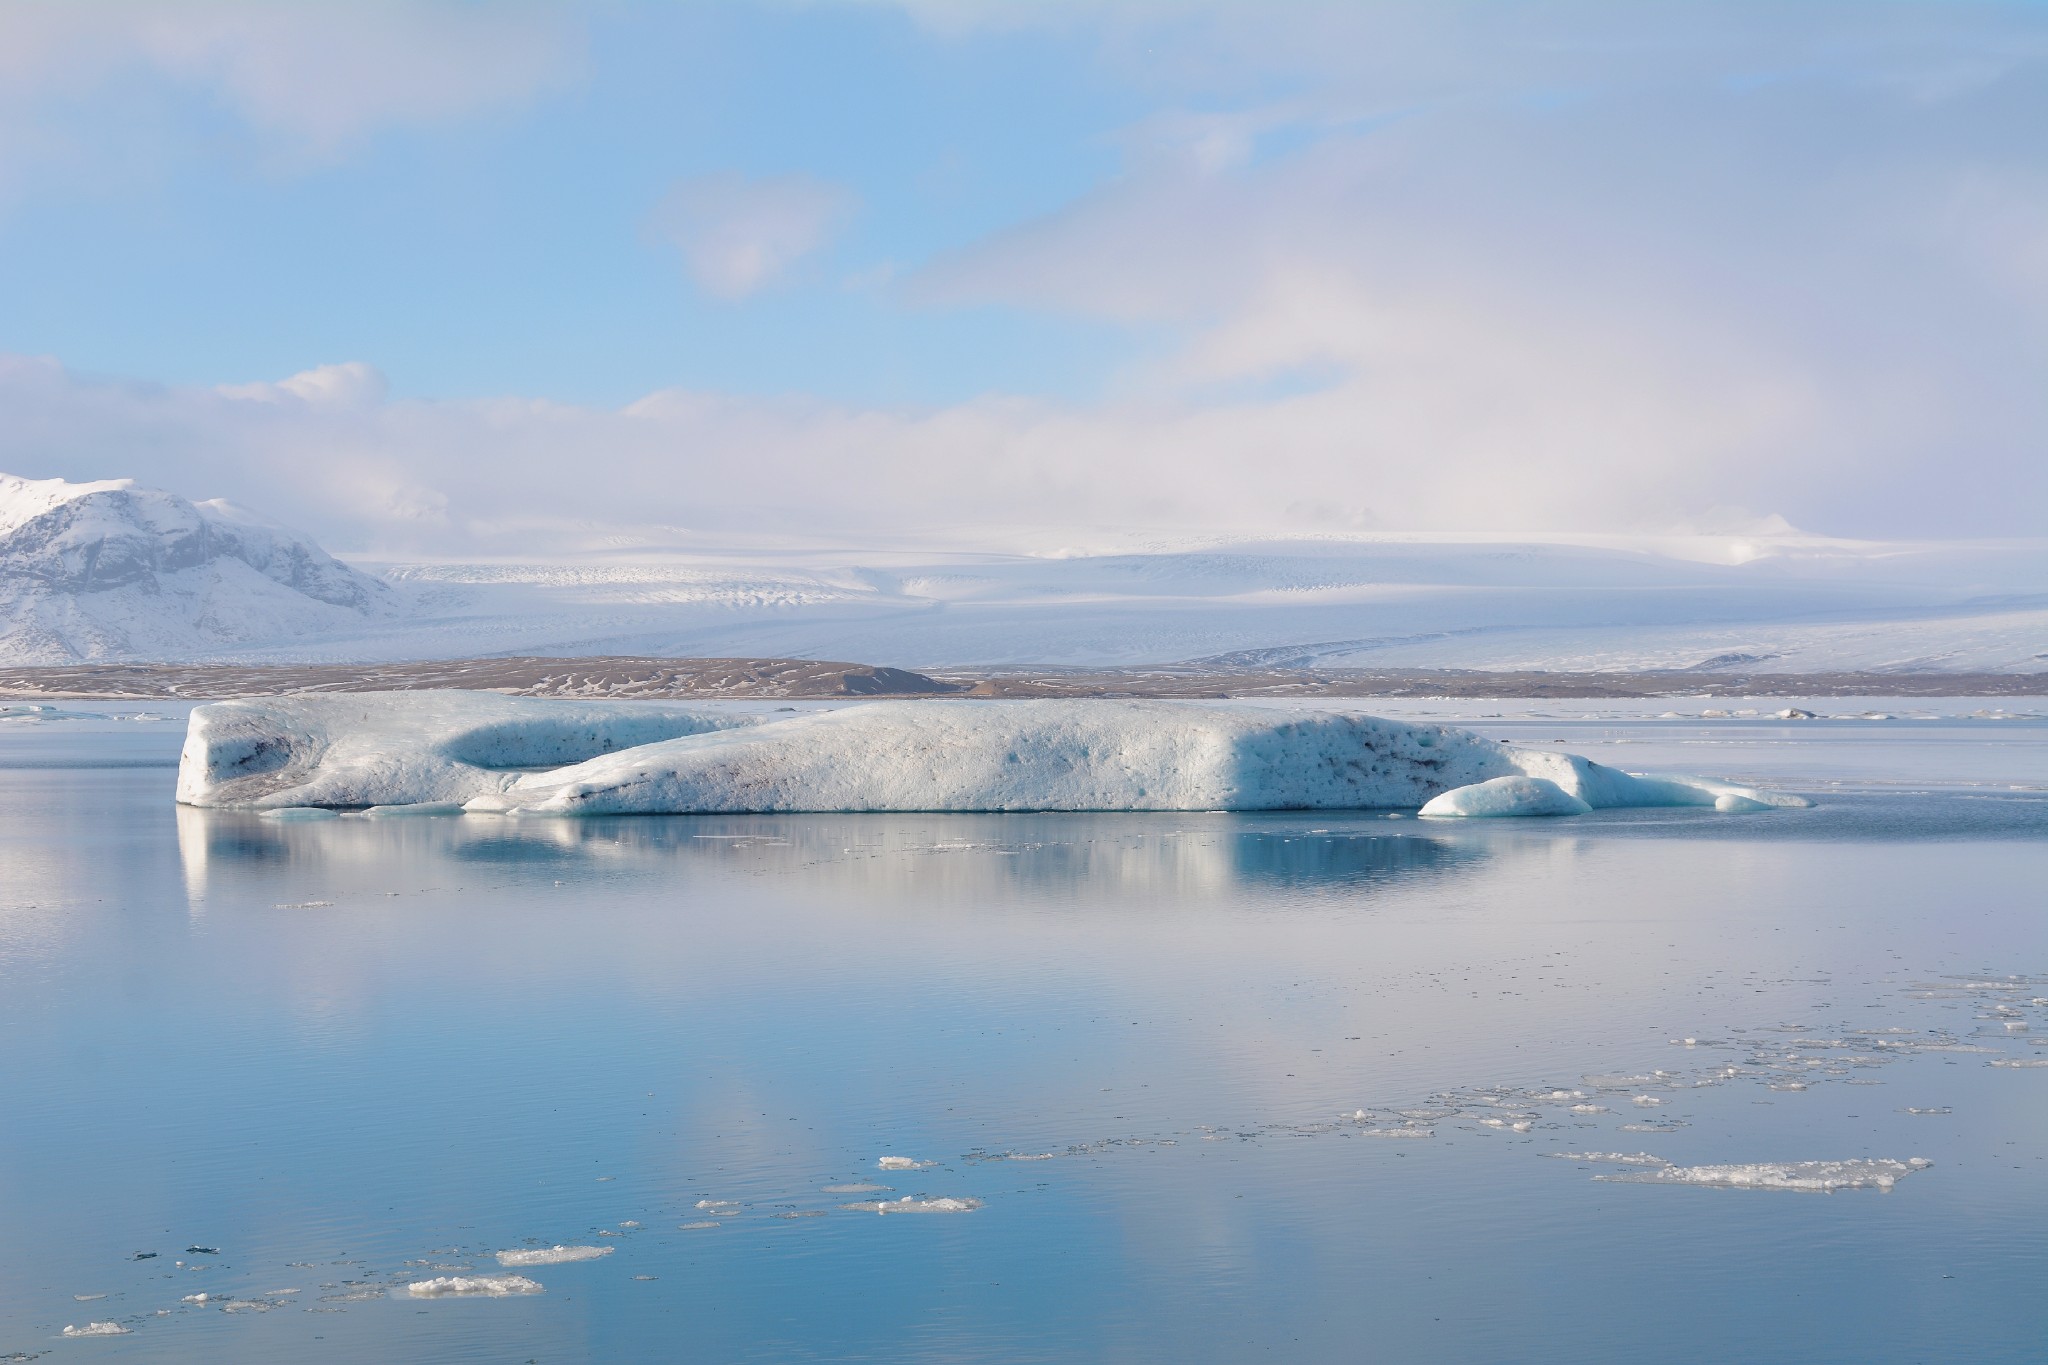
(1159, 1086)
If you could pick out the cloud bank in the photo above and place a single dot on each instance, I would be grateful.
(1570, 265)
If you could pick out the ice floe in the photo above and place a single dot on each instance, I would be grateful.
(1817, 1177)
(910, 1204)
(97, 1329)
(904, 1163)
(473, 1286)
(554, 1255)
(419, 752)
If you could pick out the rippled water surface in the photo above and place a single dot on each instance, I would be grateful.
(1159, 1087)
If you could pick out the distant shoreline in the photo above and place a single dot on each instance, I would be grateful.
(816, 679)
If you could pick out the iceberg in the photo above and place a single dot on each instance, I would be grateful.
(428, 751)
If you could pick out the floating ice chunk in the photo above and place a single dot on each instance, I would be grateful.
(719, 1206)
(1506, 796)
(506, 754)
(1591, 1109)
(1397, 1132)
(473, 1286)
(554, 1255)
(86, 1298)
(1612, 1158)
(1646, 1101)
(910, 1204)
(97, 1329)
(413, 808)
(1822, 1177)
(702, 1223)
(904, 1163)
(2020, 1061)
(1939, 1109)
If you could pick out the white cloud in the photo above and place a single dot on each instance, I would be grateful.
(739, 234)
(521, 476)
(84, 84)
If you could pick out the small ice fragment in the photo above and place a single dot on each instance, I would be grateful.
(472, 1286)
(1646, 1100)
(692, 1227)
(86, 1298)
(1397, 1132)
(1591, 1109)
(301, 905)
(1788, 1085)
(904, 1163)
(554, 1255)
(802, 1213)
(97, 1329)
(1612, 1158)
(1940, 1109)
(198, 1298)
(909, 1204)
(630, 1223)
(2020, 1061)
(399, 812)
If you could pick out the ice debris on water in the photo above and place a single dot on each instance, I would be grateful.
(1612, 1158)
(472, 1286)
(911, 1204)
(904, 1163)
(97, 1329)
(692, 1227)
(2019, 1061)
(554, 1255)
(1816, 1177)
(1397, 1132)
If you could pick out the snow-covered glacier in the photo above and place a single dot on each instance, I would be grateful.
(514, 755)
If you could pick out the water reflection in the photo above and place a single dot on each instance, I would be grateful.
(1142, 857)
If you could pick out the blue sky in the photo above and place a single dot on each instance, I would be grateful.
(510, 250)
(851, 267)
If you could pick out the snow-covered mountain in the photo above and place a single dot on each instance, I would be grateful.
(109, 570)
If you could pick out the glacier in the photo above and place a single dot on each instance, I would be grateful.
(520, 755)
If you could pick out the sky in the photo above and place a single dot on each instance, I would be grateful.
(456, 277)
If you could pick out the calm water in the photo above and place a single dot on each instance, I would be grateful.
(352, 1054)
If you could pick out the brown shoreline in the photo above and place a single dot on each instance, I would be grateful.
(805, 678)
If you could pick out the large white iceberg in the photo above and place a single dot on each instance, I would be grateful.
(525, 755)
